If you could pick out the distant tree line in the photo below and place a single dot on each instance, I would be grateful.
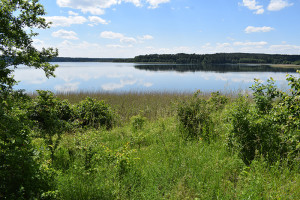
(68, 59)
(181, 58)
(218, 58)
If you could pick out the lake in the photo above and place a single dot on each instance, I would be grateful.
(130, 77)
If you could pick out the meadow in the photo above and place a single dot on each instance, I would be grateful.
(161, 145)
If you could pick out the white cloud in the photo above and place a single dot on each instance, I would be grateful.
(253, 5)
(252, 29)
(284, 49)
(120, 36)
(155, 3)
(97, 7)
(97, 20)
(70, 20)
(276, 5)
(65, 21)
(222, 45)
(135, 2)
(262, 43)
(129, 40)
(72, 13)
(146, 37)
(38, 42)
(116, 46)
(69, 35)
(111, 35)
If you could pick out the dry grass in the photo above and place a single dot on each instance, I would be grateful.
(152, 105)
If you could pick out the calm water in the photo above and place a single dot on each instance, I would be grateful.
(125, 77)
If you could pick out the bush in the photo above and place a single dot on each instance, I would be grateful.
(51, 117)
(217, 101)
(137, 122)
(251, 133)
(194, 118)
(271, 126)
(20, 173)
(93, 113)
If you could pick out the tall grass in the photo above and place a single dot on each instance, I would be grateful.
(148, 157)
(157, 163)
(151, 105)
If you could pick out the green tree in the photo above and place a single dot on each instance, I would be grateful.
(19, 172)
(18, 18)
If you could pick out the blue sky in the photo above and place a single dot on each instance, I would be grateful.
(126, 28)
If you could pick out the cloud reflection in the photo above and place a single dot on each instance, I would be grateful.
(114, 86)
(67, 87)
(71, 77)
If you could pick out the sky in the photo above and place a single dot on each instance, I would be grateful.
(127, 28)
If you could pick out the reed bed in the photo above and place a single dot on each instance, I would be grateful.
(152, 105)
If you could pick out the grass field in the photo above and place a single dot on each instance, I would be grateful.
(155, 161)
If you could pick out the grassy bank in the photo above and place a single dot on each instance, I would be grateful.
(155, 162)
(154, 145)
(149, 156)
(152, 105)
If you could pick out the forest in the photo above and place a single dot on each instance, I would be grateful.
(219, 58)
(182, 58)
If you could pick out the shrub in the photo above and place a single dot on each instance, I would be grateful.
(51, 117)
(264, 95)
(271, 126)
(91, 112)
(137, 122)
(217, 101)
(194, 118)
(252, 133)
(20, 173)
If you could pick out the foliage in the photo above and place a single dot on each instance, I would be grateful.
(297, 62)
(252, 133)
(21, 177)
(91, 112)
(137, 122)
(264, 95)
(16, 41)
(195, 115)
(194, 118)
(103, 165)
(19, 171)
(217, 101)
(218, 58)
(271, 126)
(51, 117)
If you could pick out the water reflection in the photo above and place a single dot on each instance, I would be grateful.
(217, 68)
(125, 77)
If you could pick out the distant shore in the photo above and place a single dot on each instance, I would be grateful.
(292, 66)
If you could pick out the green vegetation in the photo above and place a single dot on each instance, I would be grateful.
(204, 146)
(218, 58)
(135, 145)
(204, 59)
(21, 174)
